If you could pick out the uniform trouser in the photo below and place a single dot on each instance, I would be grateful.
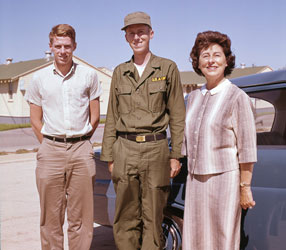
(141, 177)
(65, 175)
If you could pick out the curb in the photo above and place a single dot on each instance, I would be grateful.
(17, 157)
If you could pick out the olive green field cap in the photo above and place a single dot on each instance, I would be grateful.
(137, 18)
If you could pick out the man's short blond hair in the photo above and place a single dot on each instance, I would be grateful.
(62, 30)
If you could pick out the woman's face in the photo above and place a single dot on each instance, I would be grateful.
(212, 62)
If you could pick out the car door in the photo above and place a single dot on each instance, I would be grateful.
(264, 227)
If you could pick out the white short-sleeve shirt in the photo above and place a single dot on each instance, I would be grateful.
(64, 99)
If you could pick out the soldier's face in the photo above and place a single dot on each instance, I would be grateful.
(138, 36)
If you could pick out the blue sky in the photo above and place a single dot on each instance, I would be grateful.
(257, 28)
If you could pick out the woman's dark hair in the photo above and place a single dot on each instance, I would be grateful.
(204, 40)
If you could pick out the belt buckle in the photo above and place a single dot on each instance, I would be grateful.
(140, 138)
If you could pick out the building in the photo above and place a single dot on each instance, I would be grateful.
(191, 80)
(15, 78)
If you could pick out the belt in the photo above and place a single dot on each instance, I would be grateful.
(72, 139)
(142, 138)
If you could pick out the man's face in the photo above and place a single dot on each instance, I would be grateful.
(138, 36)
(63, 47)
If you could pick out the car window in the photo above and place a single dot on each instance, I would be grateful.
(264, 113)
(270, 116)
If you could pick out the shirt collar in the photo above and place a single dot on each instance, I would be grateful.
(72, 70)
(130, 67)
(217, 89)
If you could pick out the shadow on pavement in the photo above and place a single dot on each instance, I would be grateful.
(103, 239)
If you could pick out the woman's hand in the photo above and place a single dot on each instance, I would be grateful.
(246, 198)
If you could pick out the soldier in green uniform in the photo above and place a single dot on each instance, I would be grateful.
(145, 98)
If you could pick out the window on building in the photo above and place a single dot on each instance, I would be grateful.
(10, 91)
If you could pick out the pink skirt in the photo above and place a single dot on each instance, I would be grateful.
(212, 212)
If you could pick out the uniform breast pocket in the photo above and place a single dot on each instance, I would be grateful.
(124, 98)
(157, 96)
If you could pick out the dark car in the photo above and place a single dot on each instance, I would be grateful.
(264, 227)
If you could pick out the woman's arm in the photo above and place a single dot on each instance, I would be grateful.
(246, 199)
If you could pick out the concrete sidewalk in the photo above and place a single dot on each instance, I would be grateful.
(20, 211)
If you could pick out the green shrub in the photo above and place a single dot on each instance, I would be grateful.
(4, 126)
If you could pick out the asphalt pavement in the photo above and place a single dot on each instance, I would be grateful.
(19, 202)
(24, 138)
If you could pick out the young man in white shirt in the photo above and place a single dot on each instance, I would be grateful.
(64, 111)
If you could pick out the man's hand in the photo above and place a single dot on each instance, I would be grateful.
(175, 167)
(110, 166)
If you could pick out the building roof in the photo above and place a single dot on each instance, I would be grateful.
(14, 70)
(191, 77)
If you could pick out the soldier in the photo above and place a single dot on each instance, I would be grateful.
(145, 98)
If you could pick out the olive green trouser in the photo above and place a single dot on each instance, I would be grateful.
(141, 176)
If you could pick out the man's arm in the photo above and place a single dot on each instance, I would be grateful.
(94, 114)
(176, 107)
(109, 135)
(36, 116)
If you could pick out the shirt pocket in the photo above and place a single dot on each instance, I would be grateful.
(124, 98)
(79, 96)
(157, 96)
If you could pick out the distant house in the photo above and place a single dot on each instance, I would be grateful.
(191, 80)
(15, 78)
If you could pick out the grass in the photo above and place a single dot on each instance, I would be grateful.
(22, 151)
(96, 144)
(4, 126)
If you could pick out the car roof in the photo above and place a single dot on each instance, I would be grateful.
(274, 78)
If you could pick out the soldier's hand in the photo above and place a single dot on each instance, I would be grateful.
(110, 166)
(175, 167)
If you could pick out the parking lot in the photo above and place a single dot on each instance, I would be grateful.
(20, 211)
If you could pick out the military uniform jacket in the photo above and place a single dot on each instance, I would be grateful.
(146, 104)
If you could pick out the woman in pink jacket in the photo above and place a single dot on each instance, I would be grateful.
(220, 143)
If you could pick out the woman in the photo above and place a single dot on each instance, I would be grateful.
(220, 142)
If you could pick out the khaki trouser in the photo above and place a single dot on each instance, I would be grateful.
(65, 175)
(141, 177)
